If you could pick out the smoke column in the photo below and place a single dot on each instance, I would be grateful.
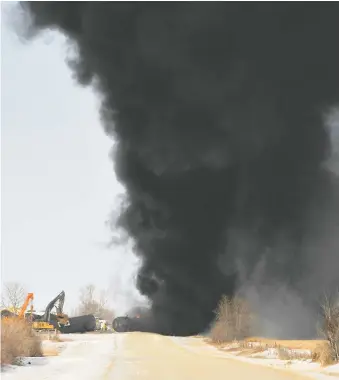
(218, 112)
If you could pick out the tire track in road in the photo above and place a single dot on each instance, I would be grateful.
(113, 370)
(109, 367)
(152, 357)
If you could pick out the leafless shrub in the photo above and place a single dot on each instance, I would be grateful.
(250, 348)
(18, 340)
(13, 296)
(283, 353)
(233, 320)
(330, 325)
(323, 354)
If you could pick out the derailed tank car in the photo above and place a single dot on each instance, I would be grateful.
(134, 321)
(81, 324)
(121, 324)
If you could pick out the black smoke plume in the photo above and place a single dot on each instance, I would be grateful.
(218, 113)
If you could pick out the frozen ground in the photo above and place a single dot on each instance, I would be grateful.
(302, 361)
(149, 356)
(83, 356)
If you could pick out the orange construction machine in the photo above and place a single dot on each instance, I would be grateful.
(6, 313)
(47, 321)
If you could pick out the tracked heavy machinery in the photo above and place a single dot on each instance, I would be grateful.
(61, 321)
(51, 319)
(40, 323)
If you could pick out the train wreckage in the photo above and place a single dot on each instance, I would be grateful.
(134, 321)
(53, 318)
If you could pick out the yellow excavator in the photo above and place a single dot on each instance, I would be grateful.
(47, 321)
(52, 318)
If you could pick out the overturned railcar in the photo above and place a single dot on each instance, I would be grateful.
(121, 324)
(81, 324)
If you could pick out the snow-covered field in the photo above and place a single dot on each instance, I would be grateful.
(300, 360)
(84, 356)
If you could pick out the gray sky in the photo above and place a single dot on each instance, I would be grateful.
(58, 184)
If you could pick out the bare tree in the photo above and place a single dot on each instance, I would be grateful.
(330, 327)
(233, 320)
(13, 296)
(103, 299)
(91, 303)
(88, 305)
(87, 293)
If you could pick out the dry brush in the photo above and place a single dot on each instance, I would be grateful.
(233, 320)
(18, 340)
(329, 353)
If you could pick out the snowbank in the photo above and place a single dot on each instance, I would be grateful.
(85, 357)
(279, 357)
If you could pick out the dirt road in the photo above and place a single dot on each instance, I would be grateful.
(142, 356)
(153, 357)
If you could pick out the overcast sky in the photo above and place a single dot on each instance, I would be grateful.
(58, 184)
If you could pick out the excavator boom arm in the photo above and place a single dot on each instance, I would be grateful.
(61, 298)
(29, 298)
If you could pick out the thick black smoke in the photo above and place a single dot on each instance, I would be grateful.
(217, 110)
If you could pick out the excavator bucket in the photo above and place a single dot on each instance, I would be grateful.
(61, 321)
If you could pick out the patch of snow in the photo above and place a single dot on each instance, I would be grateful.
(85, 357)
(300, 358)
(332, 370)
